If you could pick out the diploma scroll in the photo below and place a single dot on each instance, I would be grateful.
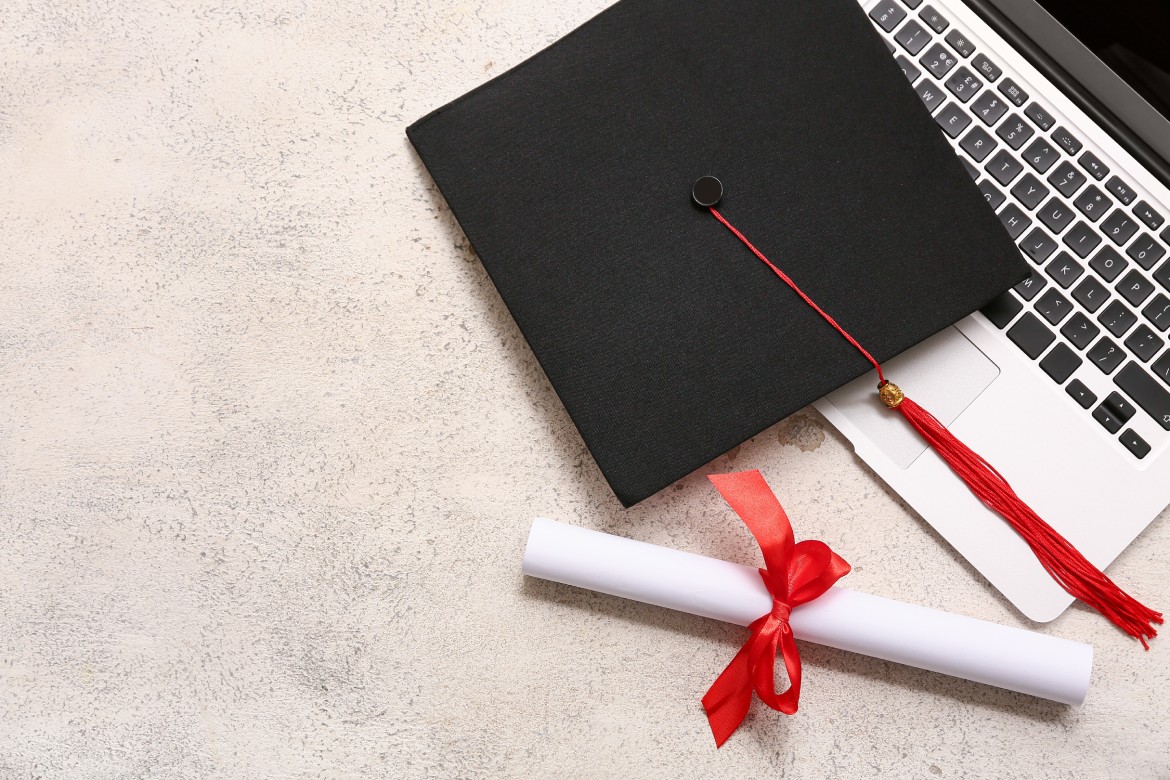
(1011, 658)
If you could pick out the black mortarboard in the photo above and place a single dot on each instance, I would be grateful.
(572, 176)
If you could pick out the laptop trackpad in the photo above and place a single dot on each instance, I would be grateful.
(943, 374)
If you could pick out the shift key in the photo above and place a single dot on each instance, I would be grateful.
(1146, 392)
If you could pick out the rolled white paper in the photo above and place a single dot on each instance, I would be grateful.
(1012, 658)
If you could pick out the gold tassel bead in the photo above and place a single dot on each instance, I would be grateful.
(891, 394)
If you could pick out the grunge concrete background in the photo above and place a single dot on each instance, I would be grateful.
(270, 445)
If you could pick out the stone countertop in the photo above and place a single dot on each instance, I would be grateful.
(270, 445)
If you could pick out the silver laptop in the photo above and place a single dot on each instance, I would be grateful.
(1063, 384)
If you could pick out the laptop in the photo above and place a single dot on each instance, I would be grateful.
(1062, 383)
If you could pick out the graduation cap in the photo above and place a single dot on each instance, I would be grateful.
(587, 179)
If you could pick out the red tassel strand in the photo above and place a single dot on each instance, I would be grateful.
(1063, 561)
(1060, 559)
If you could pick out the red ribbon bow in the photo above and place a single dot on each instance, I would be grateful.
(795, 574)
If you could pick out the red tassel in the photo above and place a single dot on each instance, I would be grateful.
(1063, 561)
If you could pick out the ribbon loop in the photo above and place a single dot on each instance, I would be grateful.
(794, 574)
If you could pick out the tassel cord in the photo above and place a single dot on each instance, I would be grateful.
(788, 281)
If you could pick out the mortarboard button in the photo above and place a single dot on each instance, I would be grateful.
(707, 191)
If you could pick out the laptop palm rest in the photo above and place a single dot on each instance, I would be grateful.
(943, 374)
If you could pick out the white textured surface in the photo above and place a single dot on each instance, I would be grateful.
(270, 446)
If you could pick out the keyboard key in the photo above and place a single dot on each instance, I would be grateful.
(1038, 245)
(1120, 406)
(1015, 131)
(908, 70)
(972, 171)
(986, 68)
(1104, 415)
(1067, 179)
(1117, 319)
(1135, 288)
(1154, 252)
(1001, 310)
(1146, 392)
(1158, 312)
(1108, 263)
(1161, 367)
(930, 93)
(1056, 215)
(1144, 343)
(1031, 287)
(1165, 235)
(1030, 335)
(1003, 166)
(938, 60)
(1162, 275)
(1122, 191)
(1060, 363)
(1028, 191)
(1145, 212)
(889, 46)
(1040, 116)
(1011, 90)
(912, 3)
(1091, 294)
(991, 193)
(960, 43)
(1082, 239)
(912, 37)
(1066, 140)
(989, 107)
(1119, 227)
(1106, 355)
(1054, 306)
(1091, 163)
(979, 144)
(1014, 220)
(1093, 203)
(1080, 393)
(1146, 251)
(1064, 270)
(933, 19)
(1080, 331)
(887, 15)
(952, 119)
(964, 85)
(1041, 155)
(1135, 444)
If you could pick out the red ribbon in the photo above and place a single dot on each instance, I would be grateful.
(795, 574)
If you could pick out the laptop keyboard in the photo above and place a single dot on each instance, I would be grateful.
(1099, 293)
